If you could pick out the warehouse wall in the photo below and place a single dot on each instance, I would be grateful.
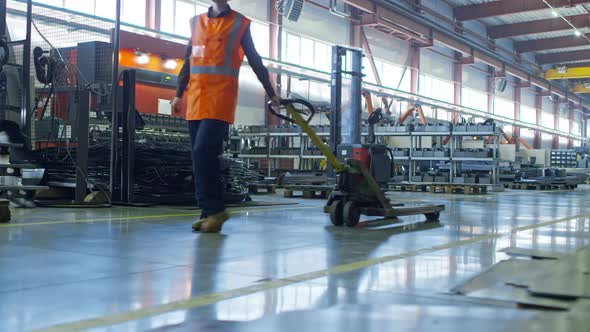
(387, 48)
(475, 77)
(435, 64)
(320, 24)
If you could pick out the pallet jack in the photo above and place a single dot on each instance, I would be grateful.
(364, 168)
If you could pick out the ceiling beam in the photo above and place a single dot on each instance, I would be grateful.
(396, 20)
(539, 26)
(506, 7)
(563, 57)
(550, 43)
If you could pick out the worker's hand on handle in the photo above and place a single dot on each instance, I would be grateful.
(175, 104)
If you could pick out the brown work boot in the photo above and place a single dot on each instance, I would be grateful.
(197, 224)
(214, 223)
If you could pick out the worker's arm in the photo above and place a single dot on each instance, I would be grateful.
(184, 74)
(255, 62)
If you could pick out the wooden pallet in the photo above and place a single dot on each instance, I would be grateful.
(319, 192)
(464, 189)
(537, 186)
(268, 188)
(409, 187)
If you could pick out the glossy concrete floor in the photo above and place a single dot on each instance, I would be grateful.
(136, 269)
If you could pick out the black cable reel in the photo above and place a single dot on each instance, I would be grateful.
(44, 66)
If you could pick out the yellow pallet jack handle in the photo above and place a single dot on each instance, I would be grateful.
(294, 116)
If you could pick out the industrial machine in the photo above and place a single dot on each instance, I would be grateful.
(360, 171)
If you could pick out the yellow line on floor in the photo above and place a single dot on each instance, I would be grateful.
(147, 217)
(208, 299)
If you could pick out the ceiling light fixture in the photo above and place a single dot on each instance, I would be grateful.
(554, 12)
(577, 33)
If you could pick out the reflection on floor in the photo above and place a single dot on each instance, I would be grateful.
(281, 268)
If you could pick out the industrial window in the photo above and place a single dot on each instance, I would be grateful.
(132, 11)
(577, 143)
(432, 87)
(504, 107)
(322, 56)
(261, 38)
(527, 134)
(55, 3)
(105, 8)
(576, 129)
(562, 141)
(305, 52)
(175, 15)
(528, 114)
(82, 6)
(547, 120)
(564, 124)
(474, 99)
(391, 75)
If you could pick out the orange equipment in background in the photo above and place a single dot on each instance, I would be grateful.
(414, 109)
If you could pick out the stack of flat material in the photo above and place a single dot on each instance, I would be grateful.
(549, 280)
(304, 179)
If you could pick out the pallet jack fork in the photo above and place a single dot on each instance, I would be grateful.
(357, 192)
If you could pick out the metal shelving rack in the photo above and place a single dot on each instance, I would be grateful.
(299, 138)
(454, 143)
(492, 163)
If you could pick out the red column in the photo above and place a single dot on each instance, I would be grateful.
(151, 14)
(517, 99)
(457, 83)
(585, 127)
(414, 68)
(490, 88)
(570, 141)
(539, 111)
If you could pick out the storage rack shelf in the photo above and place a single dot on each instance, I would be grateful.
(453, 161)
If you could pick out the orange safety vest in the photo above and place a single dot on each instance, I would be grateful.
(216, 59)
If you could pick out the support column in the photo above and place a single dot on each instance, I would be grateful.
(490, 89)
(356, 38)
(457, 83)
(539, 111)
(585, 128)
(556, 121)
(570, 141)
(151, 14)
(517, 100)
(414, 68)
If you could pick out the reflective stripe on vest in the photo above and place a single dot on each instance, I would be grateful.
(226, 68)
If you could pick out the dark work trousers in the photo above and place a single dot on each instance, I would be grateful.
(207, 148)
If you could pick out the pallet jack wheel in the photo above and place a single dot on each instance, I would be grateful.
(432, 217)
(336, 213)
(351, 214)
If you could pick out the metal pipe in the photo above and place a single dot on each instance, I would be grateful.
(114, 97)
